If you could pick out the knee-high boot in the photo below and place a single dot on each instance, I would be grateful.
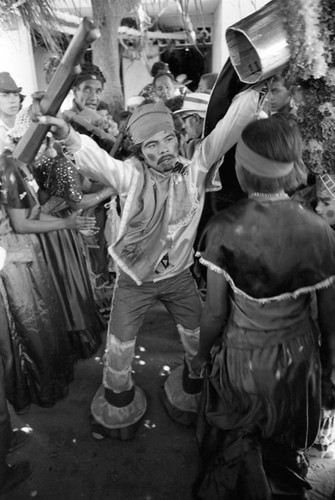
(182, 387)
(118, 403)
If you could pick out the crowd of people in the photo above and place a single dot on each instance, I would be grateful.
(108, 219)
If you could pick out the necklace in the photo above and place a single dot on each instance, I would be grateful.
(281, 195)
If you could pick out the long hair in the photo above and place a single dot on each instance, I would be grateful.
(275, 139)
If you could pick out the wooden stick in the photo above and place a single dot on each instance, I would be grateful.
(58, 89)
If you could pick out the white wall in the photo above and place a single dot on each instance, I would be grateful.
(136, 74)
(228, 12)
(16, 52)
(41, 56)
(16, 57)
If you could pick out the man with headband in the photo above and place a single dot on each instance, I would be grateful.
(88, 88)
(268, 261)
(161, 197)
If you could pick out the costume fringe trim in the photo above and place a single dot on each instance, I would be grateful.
(194, 207)
(123, 266)
(284, 296)
(213, 182)
(130, 198)
(128, 203)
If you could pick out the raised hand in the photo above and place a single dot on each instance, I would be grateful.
(59, 127)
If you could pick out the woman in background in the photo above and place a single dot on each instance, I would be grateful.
(38, 355)
(53, 188)
(42, 358)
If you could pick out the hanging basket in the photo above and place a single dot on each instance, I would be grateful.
(258, 45)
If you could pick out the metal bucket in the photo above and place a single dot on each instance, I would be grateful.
(258, 45)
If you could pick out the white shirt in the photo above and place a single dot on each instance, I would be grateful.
(3, 135)
(95, 163)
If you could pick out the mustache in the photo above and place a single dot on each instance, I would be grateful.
(164, 158)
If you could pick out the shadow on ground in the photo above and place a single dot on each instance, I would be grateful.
(159, 464)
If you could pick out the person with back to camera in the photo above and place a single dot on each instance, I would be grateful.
(266, 257)
(161, 197)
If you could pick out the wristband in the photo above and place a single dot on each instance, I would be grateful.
(65, 136)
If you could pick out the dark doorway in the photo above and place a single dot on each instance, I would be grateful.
(192, 61)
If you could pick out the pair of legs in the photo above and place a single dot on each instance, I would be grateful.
(119, 403)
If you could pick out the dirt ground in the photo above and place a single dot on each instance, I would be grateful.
(159, 464)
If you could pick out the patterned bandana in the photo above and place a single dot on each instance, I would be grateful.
(148, 120)
(89, 72)
(259, 165)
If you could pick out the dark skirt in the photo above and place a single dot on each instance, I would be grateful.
(66, 263)
(260, 411)
(34, 342)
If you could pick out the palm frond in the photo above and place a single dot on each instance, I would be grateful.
(37, 15)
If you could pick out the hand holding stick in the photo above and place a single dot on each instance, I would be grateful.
(58, 89)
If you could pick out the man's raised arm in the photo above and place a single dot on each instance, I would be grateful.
(228, 130)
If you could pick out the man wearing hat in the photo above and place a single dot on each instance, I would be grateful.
(192, 115)
(10, 102)
(161, 195)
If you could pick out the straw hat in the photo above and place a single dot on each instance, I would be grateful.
(197, 102)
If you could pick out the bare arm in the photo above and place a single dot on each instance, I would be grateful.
(91, 160)
(92, 199)
(229, 129)
(22, 223)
